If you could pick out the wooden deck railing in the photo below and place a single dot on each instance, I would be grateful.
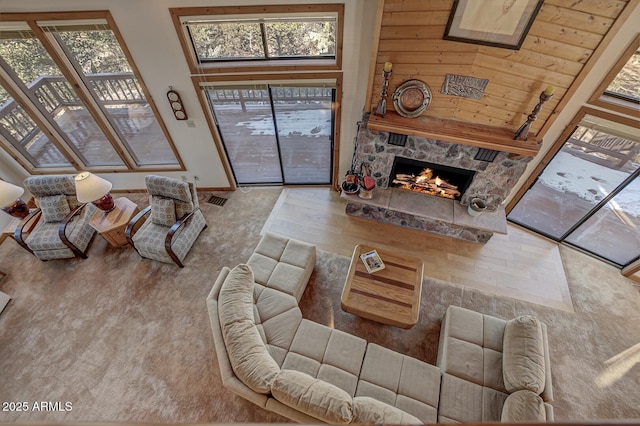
(55, 93)
(617, 150)
(279, 94)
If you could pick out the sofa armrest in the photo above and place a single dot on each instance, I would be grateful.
(548, 408)
(547, 393)
(444, 333)
(229, 379)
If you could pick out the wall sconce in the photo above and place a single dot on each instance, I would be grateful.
(94, 189)
(10, 200)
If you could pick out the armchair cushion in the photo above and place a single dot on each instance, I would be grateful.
(163, 211)
(172, 201)
(45, 241)
(149, 240)
(54, 208)
(169, 187)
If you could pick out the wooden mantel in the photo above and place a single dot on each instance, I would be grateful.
(479, 135)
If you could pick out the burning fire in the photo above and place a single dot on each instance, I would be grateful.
(426, 183)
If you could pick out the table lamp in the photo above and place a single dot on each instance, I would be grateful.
(10, 200)
(94, 189)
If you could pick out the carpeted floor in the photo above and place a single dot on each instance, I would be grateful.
(128, 340)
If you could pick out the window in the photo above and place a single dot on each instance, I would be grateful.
(273, 36)
(625, 84)
(263, 39)
(72, 101)
(620, 91)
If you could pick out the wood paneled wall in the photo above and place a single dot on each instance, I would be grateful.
(562, 38)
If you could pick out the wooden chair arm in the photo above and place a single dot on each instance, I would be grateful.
(129, 231)
(172, 231)
(17, 234)
(62, 231)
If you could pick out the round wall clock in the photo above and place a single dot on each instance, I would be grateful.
(176, 105)
(411, 98)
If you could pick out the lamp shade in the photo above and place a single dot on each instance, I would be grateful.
(9, 193)
(90, 187)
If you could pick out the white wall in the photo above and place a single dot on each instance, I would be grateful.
(151, 37)
(11, 174)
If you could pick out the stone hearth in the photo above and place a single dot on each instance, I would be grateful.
(427, 213)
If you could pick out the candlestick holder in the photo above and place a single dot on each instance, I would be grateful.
(381, 110)
(523, 132)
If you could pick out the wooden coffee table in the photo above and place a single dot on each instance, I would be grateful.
(390, 296)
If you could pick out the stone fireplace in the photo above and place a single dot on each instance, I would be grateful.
(492, 181)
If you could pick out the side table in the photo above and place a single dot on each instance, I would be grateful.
(112, 225)
(4, 298)
(10, 229)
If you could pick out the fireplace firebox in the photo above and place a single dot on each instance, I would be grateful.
(429, 178)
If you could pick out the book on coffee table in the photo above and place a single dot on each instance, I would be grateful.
(372, 261)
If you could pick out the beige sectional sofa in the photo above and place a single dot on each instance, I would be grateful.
(305, 371)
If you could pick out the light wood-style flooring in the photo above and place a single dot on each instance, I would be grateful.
(520, 265)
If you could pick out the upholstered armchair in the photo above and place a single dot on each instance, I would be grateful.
(63, 230)
(173, 221)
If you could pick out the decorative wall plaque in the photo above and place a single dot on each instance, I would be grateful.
(466, 87)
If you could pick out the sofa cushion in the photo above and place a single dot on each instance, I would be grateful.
(473, 357)
(523, 364)
(163, 211)
(523, 406)
(54, 208)
(466, 402)
(315, 397)
(327, 354)
(247, 352)
(403, 382)
(277, 317)
(283, 263)
(371, 411)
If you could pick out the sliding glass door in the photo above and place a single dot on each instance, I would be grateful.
(613, 232)
(276, 134)
(245, 122)
(589, 194)
(305, 132)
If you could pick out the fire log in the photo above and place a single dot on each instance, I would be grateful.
(429, 187)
